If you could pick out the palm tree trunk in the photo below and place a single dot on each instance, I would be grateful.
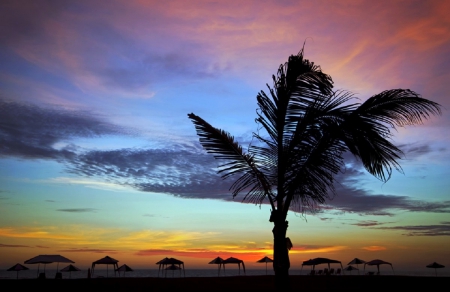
(281, 263)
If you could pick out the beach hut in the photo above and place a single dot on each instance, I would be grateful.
(165, 262)
(48, 259)
(265, 260)
(356, 262)
(377, 263)
(218, 261)
(172, 268)
(105, 261)
(435, 266)
(124, 268)
(232, 260)
(17, 267)
(70, 268)
(318, 261)
(351, 268)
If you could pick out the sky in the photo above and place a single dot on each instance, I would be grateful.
(98, 156)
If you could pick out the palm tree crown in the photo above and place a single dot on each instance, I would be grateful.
(308, 127)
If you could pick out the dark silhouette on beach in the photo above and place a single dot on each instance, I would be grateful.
(304, 128)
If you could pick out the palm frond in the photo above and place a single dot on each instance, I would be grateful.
(223, 146)
(366, 131)
(398, 107)
(267, 114)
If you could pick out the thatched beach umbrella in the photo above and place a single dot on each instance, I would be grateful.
(351, 268)
(105, 261)
(48, 259)
(356, 262)
(124, 268)
(70, 268)
(232, 260)
(173, 268)
(318, 261)
(435, 266)
(170, 261)
(377, 263)
(218, 261)
(17, 267)
(265, 260)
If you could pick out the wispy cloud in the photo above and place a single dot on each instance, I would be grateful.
(89, 250)
(14, 245)
(363, 202)
(22, 246)
(316, 248)
(374, 248)
(183, 172)
(41, 246)
(78, 210)
(89, 183)
(31, 132)
(39, 233)
(442, 229)
(354, 198)
(368, 223)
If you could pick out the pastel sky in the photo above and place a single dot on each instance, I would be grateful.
(98, 156)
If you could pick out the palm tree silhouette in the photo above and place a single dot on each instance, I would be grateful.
(304, 128)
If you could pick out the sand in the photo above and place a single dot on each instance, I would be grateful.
(237, 283)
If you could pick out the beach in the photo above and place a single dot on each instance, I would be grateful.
(235, 283)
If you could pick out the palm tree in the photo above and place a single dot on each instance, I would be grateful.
(308, 127)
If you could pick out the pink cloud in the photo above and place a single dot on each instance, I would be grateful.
(374, 248)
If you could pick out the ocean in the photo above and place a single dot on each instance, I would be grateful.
(50, 273)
